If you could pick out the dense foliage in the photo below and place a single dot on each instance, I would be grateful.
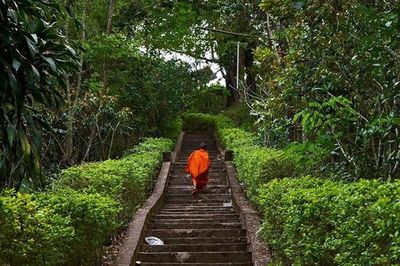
(309, 220)
(34, 58)
(333, 74)
(69, 224)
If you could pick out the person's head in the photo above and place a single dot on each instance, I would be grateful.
(203, 146)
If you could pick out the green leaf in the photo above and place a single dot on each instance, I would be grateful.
(51, 62)
(11, 78)
(26, 147)
(11, 134)
(36, 72)
(16, 64)
(32, 47)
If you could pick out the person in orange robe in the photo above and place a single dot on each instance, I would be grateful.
(198, 166)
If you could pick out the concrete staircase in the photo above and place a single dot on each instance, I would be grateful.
(204, 229)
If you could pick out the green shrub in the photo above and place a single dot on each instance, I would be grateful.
(69, 224)
(311, 156)
(240, 115)
(127, 180)
(173, 129)
(198, 122)
(209, 99)
(312, 221)
(31, 235)
(234, 138)
(154, 145)
(222, 121)
(94, 218)
(256, 165)
(309, 221)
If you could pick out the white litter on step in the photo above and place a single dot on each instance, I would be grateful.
(154, 241)
(227, 204)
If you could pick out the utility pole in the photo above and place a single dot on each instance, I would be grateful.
(237, 65)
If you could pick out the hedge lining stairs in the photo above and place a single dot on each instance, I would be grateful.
(204, 229)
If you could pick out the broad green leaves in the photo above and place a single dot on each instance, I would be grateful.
(32, 44)
(349, 50)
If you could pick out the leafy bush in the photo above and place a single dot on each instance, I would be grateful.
(31, 235)
(173, 129)
(240, 115)
(235, 138)
(153, 145)
(127, 180)
(209, 99)
(94, 218)
(69, 224)
(256, 164)
(198, 122)
(222, 121)
(313, 221)
(311, 156)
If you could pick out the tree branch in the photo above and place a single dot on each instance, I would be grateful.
(193, 55)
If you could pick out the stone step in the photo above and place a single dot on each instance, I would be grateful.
(196, 264)
(189, 220)
(163, 233)
(199, 201)
(188, 189)
(181, 225)
(183, 164)
(183, 215)
(197, 196)
(199, 211)
(208, 206)
(195, 257)
(184, 161)
(196, 247)
(198, 206)
(182, 167)
(182, 177)
(211, 155)
(188, 182)
(204, 240)
(211, 171)
(210, 175)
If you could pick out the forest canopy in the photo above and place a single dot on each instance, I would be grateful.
(85, 81)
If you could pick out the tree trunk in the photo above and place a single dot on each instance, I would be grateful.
(230, 83)
(110, 15)
(250, 75)
(68, 143)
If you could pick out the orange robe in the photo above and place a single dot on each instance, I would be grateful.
(198, 166)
